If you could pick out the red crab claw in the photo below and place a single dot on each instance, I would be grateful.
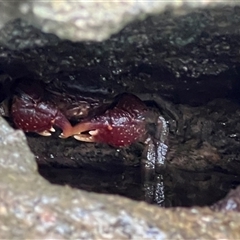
(31, 114)
(120, 125)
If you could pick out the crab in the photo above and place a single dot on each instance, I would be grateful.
(119, 122)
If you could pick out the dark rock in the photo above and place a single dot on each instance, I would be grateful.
(188, 59)
(207, 138)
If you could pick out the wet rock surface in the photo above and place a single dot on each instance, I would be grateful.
(181, 188)
(71, 153)
(43, 210)
(209, 137)
(190, 58)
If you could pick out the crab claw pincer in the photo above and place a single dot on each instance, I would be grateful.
(120, 125)
(32, 114)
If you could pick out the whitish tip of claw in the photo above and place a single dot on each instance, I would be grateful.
(45, 133)
(61, 135)
(93, 132)
(52, 129)
(83, 138)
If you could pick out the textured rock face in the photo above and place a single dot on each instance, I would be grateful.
(84, 20)
(190, 58)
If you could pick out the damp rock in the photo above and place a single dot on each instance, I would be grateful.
(187, 58)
